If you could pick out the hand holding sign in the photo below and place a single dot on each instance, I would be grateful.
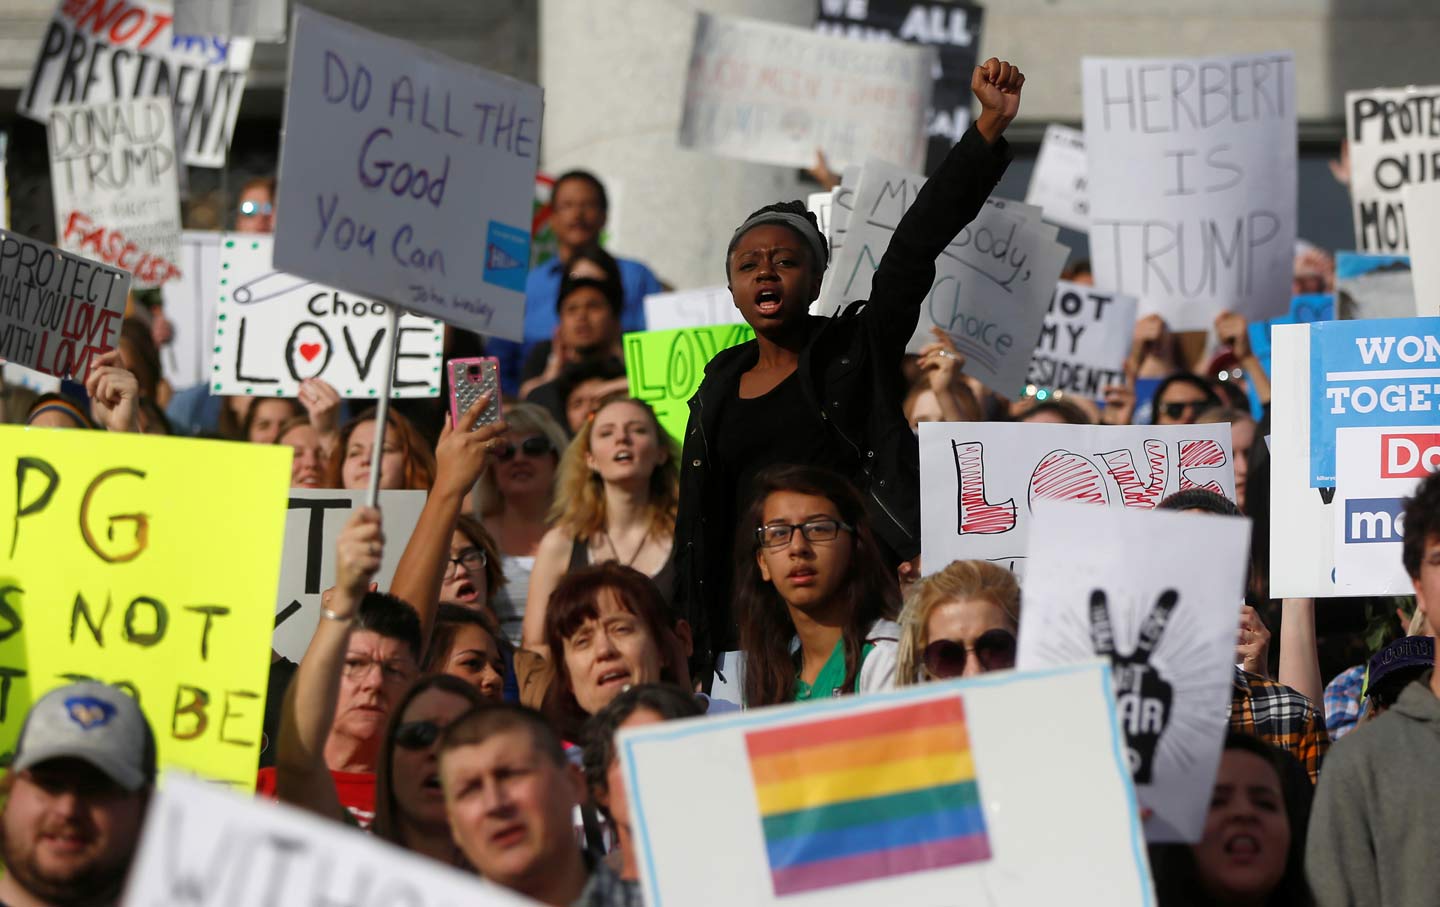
(1252, 645)
(941, 363)
(357, 558)
(114, 393)
(1234, 332)
(322, 405)
(1142, 696)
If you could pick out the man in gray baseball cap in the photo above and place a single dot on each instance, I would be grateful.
(75, 798)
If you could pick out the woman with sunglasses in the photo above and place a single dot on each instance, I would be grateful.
(513, 501)
(616, 502)
(814, 597)
(959, 622)
(409, 805)
(1181, 398)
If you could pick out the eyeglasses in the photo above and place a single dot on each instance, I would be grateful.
(471, 559)
(390, 671)
(417, 735)
(1176, 410)
(994, 649)
(533, 446)
(253, 208)
(778, 535)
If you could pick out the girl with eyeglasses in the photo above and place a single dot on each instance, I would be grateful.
(513, 500)
(959, 622)
(815, 600)
(617, 494)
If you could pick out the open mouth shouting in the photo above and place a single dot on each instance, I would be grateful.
(769, 301)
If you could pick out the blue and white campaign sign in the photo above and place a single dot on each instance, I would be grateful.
(1306, 308)
(1376, 469)
(1376, 372)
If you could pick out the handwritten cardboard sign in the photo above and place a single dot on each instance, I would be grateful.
(984, 480)
(407, 177)
(207, 846)
(992, 282)
(922, 795)
(114, 176)
(691, 309)
(312, 527)
(272, 330)
(772, 93)
(665, 368)
(57, 310)
(1157, 593)
(1393, 142)
(115, 569)
(1192, 183)
(1376, 469)
(1373, 285)
(1422, 220)
(1084, 341)
(1059, 183)
(95, 51)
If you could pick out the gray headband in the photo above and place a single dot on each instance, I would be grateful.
(819, 250)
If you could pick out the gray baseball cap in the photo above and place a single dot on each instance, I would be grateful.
(93, 722)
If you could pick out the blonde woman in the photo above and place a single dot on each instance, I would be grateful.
(513, 499)
(617, 493)
(959, 622)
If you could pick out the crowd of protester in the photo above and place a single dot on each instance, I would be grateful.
(576, 571)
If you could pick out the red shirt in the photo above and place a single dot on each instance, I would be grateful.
(356, 791)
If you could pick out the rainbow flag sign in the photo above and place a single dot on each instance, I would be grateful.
(844, 800)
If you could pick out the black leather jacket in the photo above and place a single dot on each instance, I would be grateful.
(850, 373)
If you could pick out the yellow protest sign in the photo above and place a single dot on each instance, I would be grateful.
(150, 563)
(665, 368)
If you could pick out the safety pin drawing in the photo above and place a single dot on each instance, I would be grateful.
(247, 294)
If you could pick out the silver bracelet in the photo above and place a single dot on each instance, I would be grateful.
(338, 618)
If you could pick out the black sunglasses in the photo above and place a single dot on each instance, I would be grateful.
(533, 446)
(417, 735)
(994, 649)
(1175, 410)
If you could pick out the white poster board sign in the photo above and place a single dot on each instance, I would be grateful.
(1422, 219)
(1084, 341)
(759, 91)
(1302, 534)
(806, 799)
(1058, 184)
(983, 480)
(115, 181)
(691, 309)
(1192, 167)
(1159, 594)
(189, 304)
(407, 177)
(1393, 142)
(307, 568)
(1376, 469)
(58, 310)
(204, 845)
(273, 330)
(95, 52)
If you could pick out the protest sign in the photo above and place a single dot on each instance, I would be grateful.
(272, 330)
(1369, 373)
(992, 282)
(189, 305)
(203, 846)
(1192, 179)
(982, 480)
(96, 51)
(1058, 184)
(691, 309)
(115, 569)
(665, 368)
(952, 28)
(893, 797)
(1159, 594)
(1373, 286)
(1422, 218)
(1376, 469)
(312, 527)
(1084, 341)
(57, 310)
(819, 204)
(1304, 309)
(1394, 140)
(263, 20)
(431, 207)
(758, 91)
(115, 180)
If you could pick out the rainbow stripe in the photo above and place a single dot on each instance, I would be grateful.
(888, 792)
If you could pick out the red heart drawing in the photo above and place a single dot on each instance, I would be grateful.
(309, 350)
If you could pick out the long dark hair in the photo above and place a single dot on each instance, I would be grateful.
(869, 593)
(1177, 879)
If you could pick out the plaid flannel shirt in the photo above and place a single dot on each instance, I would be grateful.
(1342, 701)
(605, 888)
(1279, 715)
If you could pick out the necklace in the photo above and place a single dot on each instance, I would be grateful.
(616, 551)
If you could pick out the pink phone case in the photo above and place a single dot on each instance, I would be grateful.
(469, 378)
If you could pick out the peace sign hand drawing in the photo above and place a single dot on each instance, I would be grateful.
(1142, 696)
